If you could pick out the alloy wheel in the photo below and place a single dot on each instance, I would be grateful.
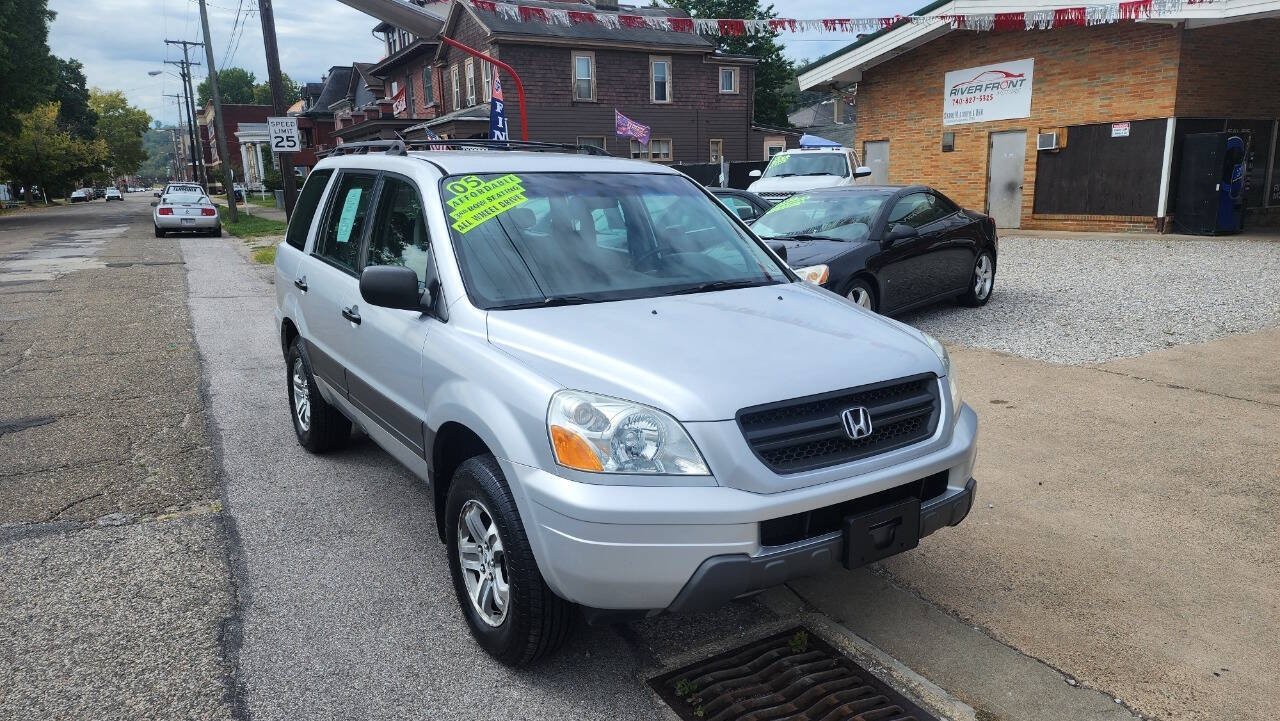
(301, 395)
(483, 561)
(860, 296)
(983, 277)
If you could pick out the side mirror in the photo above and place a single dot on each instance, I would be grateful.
(754, 174)
(861, 171)
(390, 286)
(899, 231)
(780, 249)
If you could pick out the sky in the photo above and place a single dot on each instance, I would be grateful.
(119, 41)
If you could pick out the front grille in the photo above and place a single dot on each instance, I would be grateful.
(775, 197)
(807, 433)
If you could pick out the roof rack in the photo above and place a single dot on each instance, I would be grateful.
(401, 147)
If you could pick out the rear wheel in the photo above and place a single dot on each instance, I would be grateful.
(861, 292)
(159, 233)
(320, 427)
(982, 282)
(511, 612)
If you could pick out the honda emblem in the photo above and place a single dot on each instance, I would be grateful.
(857, 422)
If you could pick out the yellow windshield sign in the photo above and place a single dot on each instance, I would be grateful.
(793, 200)
(475, 201)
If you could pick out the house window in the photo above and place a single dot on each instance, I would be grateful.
(428, 92)
(471, 82)
(773, 146)
(486, 74)
(584, 76)
(595, 141)
(658, 150)
(660, 80)
(717, 150)
(453, 77)
(409, 105)
(728, 80)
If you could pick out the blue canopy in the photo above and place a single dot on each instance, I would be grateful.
(813, 141)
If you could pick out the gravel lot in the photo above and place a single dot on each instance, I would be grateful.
(1073, 300)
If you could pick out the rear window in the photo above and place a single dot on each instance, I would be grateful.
(184, 198)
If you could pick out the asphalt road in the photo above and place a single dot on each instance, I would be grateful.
(117, 590)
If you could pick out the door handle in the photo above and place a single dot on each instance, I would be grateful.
(300, 283)
(352, 314)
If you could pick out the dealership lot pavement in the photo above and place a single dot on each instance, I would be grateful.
(1123, 547)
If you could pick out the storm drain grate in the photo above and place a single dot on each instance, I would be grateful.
(793, 676)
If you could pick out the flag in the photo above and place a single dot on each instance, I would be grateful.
(497, 116)
(432, 136)
(628, 128)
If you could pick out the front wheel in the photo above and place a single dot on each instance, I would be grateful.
(982, 282)
(861, 292)
(511, 612)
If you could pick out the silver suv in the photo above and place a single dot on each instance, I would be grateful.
(622, 400)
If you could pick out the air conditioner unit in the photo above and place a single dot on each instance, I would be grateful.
(1047, 141)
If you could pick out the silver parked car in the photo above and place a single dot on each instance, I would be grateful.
(622, 400)
(187, 213)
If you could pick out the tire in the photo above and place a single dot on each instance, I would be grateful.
(159, 233)
(861, 292)
(216, 232)
(534, 621)
(982, 283)
(320, 427)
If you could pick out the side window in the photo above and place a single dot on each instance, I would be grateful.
(340, 241)
(917, 210)
(305, 210)
(399, 230)
(745, 210)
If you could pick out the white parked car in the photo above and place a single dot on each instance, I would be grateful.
(113, 194)
(794, 171)
(186, 212)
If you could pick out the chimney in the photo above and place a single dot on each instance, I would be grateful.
(609, 5)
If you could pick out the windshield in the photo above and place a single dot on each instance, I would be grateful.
(551, 238)
(842, 216)
(785, 165)
(183, 198)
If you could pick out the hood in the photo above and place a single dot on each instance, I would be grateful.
(796, 183)
(704, 356)
(812, 252)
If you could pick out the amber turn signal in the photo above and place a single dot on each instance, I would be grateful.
(573, 451)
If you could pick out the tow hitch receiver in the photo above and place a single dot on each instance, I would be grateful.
(871, 536)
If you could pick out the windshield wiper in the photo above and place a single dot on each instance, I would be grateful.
(783, 175)
(804, 236)
(720, 285)
(551, 301)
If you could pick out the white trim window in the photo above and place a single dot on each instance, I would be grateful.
(486, 77)
(659, 79)
(584, 75)
(774, 145)
(453, 76)
(728, 80)
(658, 150)
(470, 73)
(717, 150)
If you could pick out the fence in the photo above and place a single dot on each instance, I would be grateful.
(738, 173)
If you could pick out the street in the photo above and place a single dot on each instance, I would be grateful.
(171, 552)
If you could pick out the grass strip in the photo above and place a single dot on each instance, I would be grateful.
(250, 226)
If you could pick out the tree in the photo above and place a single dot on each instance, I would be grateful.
(42, 153)
(774, 73)
(121, 126)
(234, 84)
(73, 98)
(161, 159)
(26, 68)
(292, 92)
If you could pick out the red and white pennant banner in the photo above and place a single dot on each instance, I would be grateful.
(1097, 14)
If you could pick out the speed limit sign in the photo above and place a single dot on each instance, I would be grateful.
(284, 135)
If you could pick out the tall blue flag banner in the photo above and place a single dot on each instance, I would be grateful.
(497, 117)
(628, 128)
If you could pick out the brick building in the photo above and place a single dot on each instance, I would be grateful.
(1114, 102)
(244, 127)
(697, 103)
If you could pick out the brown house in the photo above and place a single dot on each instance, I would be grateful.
(697, 103)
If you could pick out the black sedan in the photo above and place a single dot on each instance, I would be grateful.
(748, 206)
(887, 248)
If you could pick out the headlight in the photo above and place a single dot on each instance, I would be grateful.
(600, 434)
(816, 274)
(941, 352)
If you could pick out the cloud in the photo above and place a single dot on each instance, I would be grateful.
(119, 41)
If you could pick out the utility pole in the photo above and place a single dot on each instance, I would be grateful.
(184, 65)
(285, 160)
(228, 179)
(182, 106)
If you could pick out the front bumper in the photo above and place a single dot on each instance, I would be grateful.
(649, 547)
(721, 579)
